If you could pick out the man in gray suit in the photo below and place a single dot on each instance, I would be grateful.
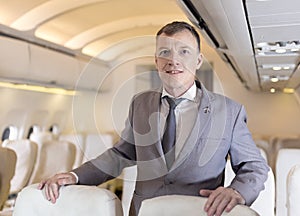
(205, 128)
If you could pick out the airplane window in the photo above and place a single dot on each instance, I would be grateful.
(54, 129)
(32, 129)
(10, 133)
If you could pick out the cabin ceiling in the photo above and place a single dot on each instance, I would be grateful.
(90, 27)
(260, 39)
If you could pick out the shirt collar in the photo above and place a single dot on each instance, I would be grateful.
(190, 94)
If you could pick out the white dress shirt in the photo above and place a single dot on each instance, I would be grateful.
(185, 112)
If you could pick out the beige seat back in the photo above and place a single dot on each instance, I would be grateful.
(278, 143)
(74, 200)
(77, 140)
(8, 159)
(293, 191)
(55, 156)
(96, 144)
(39, 137)
(178, 205)
(286, 159)
(26, 151)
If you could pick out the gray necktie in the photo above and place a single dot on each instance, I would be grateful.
(169, 138)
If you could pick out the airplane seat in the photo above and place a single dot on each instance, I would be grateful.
(74, 200)
(266, 146)
(129, 176)
(39, 137)
(77, 140)
(283, 142)
(26, 151)
(265, 198)
(178, 205)
(286, 159)
(55, 156)
(293, 191)
(8, 160)
(96, 144)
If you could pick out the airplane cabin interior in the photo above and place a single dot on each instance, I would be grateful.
(69, 70)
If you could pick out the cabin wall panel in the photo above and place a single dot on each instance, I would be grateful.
(25, 108)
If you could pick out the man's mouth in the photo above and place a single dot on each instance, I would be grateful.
(174, 71)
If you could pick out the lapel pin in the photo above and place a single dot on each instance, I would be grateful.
(206, 110)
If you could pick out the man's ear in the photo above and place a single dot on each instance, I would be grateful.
(199, 60)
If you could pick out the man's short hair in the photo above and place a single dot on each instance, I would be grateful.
(177, 26)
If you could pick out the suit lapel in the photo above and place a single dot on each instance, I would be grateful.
(153, 116)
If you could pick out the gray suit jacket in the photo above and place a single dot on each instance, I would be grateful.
(219, 130)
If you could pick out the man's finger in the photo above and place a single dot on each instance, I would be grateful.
(218, 204)
(205, 192)
(41, 185)
(222, 206)
(53, 192)
(46, 189)
(231, 204)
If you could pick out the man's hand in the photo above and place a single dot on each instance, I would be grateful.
(221, 199)
(53, 184)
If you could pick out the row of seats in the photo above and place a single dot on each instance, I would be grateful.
(78, 200)
(42, 156)
(88, 147)
(93, 201)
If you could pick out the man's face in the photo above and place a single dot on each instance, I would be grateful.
(177, 59)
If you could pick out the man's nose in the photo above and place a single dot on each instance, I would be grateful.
(173, 59)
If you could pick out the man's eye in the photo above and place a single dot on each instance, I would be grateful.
(185, 51)
(164, 52)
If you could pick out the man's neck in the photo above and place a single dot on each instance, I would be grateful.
(177, 92)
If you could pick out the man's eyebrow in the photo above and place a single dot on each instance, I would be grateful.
(162, 47)
(186, 46)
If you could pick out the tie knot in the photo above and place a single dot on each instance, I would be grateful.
(173, 102)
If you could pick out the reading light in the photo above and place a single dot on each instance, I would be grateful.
(37, 88)
(295, 50)
(276, 68)
(274, 79)
(280, 50)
